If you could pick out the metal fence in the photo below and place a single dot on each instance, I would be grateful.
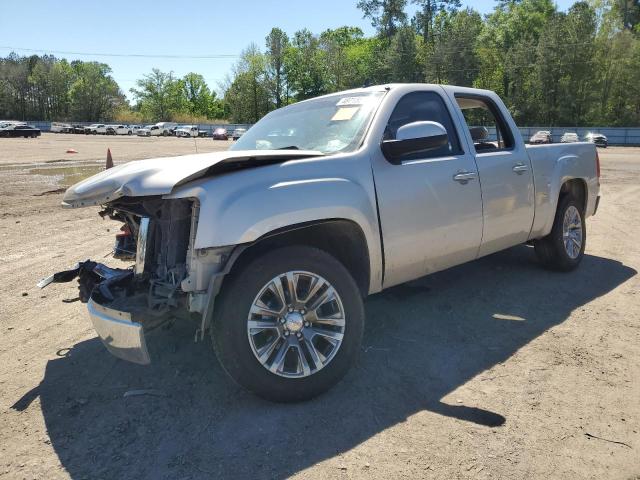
(615, 135)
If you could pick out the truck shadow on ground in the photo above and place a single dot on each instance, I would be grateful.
(423, 340)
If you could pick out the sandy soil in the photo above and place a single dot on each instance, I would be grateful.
(495, 369)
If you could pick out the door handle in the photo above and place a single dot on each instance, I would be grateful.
(520, 168)
(464, 177)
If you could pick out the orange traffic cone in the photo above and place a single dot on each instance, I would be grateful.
(109, 160)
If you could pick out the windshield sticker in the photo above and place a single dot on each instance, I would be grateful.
(352, 101)
(344, 113)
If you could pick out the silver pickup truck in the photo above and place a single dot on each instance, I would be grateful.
(272, 246)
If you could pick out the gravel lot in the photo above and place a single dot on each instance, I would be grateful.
(495, 369)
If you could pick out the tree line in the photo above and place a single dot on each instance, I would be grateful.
(579, 67)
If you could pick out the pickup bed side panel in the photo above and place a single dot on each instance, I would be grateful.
(240, 207)
(552, 166)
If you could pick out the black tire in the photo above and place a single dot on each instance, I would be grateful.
(229, 325)
(551, 250)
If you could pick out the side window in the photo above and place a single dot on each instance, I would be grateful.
(424, 106)
(487, 126)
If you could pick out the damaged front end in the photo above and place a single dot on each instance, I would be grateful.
(169, 279)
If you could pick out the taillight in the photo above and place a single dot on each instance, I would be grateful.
(125, 231)
(125, 247)
(598, 166)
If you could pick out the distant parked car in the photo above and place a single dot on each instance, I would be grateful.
(187, 131)
(597, 138)
(238, 132)
(10, 123)
(57, 127)
(159, 129)
(119, 130)
(220, 134)
(96, 128)
(540, 137)
(569, 137)
(135, 128)
(78, 129)
(144, 131)
(25, 131)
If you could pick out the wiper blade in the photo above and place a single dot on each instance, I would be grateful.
(290, 147)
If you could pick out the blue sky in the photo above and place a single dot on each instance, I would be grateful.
(169, 28)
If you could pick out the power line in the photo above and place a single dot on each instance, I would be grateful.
(129, 55)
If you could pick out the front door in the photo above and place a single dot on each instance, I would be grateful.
(430, 204)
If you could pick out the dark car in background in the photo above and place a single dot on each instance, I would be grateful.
(78, 129)
(597, 139)
(220, 134)
(15, 131)
(541, 137)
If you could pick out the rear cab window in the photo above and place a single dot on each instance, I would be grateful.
(487, 126)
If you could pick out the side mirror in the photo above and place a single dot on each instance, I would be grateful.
(415, 137)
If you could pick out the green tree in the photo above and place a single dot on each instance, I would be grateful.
(427, 11)
(160, 95)
(305, 66)
(385, 15)
(401, 64)
(94, 94)
(277, 43)
(341, 48)
(451, 55)
(248, 95)
(197, 95)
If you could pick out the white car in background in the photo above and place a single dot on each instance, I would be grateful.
(569, 137)
(187, 131)
(163, 129)
(96, 128)
(144, 131)
(119, 130)
(57, 127)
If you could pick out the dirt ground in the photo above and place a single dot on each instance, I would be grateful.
(495, 369)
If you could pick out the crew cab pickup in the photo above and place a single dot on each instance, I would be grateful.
(187, 131)
(271, 246)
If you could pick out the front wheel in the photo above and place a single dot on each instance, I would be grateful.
(563, 248)
(288, 325)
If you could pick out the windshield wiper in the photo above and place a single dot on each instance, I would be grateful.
(290, 147)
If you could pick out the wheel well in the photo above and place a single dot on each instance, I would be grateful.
(577, 188)
(342, 239)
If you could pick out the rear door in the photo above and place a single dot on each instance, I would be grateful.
(430, 204)
(506, 176)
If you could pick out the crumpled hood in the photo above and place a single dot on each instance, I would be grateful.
(158, 176)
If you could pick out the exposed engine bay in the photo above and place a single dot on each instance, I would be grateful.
(158, 234)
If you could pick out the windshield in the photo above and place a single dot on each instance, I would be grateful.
(330, 124)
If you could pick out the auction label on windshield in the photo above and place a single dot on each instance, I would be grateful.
(343, 102)
(344, 113)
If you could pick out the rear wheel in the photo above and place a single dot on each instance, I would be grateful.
(288, 325)
(563, 248)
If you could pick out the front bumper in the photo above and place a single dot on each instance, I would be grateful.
(123, 337)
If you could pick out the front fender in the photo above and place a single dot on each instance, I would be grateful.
(241, 207)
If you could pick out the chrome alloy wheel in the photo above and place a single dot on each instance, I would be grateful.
(296, 324)
(572, 232)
